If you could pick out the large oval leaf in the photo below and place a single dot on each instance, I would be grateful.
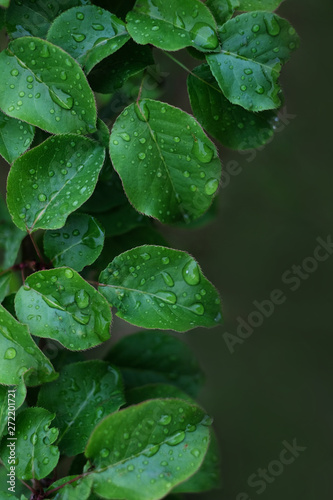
(20, 354)
(60, 305)
(157, 287)
(52, 180)
(232, 125)
(173, 26)
(153, 356)
(77, 244)
(15, 137)
(89, 34)
(248, 72)
(84, 394)
(37, 456)
(142, 452)
(44, 86)
(169, 168)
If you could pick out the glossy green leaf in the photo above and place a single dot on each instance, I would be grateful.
(155, 391)
(21, 354)
(248, 72)
(15, 137)
(64, 308)
(250, 5)
(77, 490)
(10, 402)
(169, 168)
(89, 34)
(52, 180)
(44, 86)
(171, 26)
(157, 287)
(208, 476)
(77, 244)
(84, 394)
(232, 125)
(153, 433)
(122, 219)
(34, 18)
(222, 9)
(34, 444)
(10, 238)
(156, 357)
(111, 74)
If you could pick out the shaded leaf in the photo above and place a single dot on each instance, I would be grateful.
(157, 287)
(169, 26)
(89, 34)
(15, 137)
(34, 444)
(44, 86)
(156, 357)
(122, 219)
(21, 355)
(85, 393)
(77, 244)
(232, 125)
(222, 9)
(169, 168)
(69, 309)
(143, 469)
(65, 173)
(248, 72)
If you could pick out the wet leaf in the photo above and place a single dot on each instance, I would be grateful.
(15, 137)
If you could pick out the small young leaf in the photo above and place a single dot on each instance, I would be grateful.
(33, 445)
(89, 34)
(42, 85)
(77, 244)
(84, 394)
(232, 125)
(222, 9)
(31, 18)
(69, 309)
(248, 72)
(171, 26)
(111, 74)
(21, 355)
(15, 137)
(10, 401)
(157, 287)
(169, 168)
(155, 391)
(42, 193)
(77, 490)
(249, 5)
(130, 450)
(156, 357)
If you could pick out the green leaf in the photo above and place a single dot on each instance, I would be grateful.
(122, 219)
(15, 137)
(84, 394)
(4, 284)
(155, 391)
(20, 489)
(171, 26)
(157, 287)
(34, 444)
(8, 401)
(169, 168)
(31, 18)
(131, 450)
(156, 357)
(10, 238)
(42, 85)
(89, 34)
(52, 180)
(77, 244)
(21, 354)
(248, 72)
(222, 9)
(102, 134)
(69, 309)
(4, 3)
(249, 5)
(232, 125)
(111, 74)
(208, 476)
(77, 490)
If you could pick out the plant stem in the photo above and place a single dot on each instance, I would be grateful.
(63, 485)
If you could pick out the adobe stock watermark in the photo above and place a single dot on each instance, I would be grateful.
(292, 278)
(262, 478)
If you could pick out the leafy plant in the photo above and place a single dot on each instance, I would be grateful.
(95, 160)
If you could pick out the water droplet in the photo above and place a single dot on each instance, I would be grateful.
(202, 151)
(168, 297)
(34, 438)
(151, 451)
(32, 46)
(204, 36)
(141, 156)
(45, 51)
(97, 27)
(63, 75)
(80, 16)
(207, 421)
(260, 89)
(105, 452)
(45, 461)
(272, 25)
(42, 197)
(197, 308)
(191, 273)
(165, 420)
(155, 28)
(14, 72)
(248, 71)
(211, 186)
(255, 28)
(176, 439)
(196, 453)
(146, 256)
(10, 353)
(178, 21)
(167, 279)
(82, 299)
(165, 260)
(243, 88)
(69, 273)
(125, 136)
(78, 37)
